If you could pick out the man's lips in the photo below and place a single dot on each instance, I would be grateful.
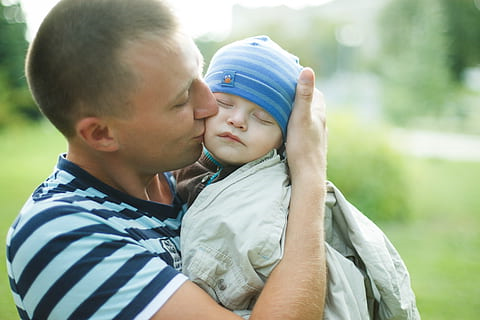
(230, 136)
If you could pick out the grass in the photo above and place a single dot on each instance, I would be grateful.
(28, 156)
(440, 243)
(441, 246)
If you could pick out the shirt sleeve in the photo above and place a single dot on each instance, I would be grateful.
(74, 265)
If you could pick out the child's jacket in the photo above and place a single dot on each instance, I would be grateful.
(233, 235)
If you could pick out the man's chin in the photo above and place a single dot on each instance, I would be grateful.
(194, 156)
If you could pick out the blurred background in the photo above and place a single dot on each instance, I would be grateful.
(402, 84)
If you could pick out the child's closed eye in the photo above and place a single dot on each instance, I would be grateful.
(263, 117)
(224, 104)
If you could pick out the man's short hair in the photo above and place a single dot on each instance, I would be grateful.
(74, 66)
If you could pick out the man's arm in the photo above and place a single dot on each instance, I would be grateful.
(296, 287)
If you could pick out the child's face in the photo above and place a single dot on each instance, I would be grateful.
(241, 131)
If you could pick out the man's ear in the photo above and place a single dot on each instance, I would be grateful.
(97, 134)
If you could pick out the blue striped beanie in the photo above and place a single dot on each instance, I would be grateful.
(259, 70)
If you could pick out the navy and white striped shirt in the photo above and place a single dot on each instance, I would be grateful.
(81, 249)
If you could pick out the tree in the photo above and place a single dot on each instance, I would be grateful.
(463, 31)
(16, 103)
(415, 64)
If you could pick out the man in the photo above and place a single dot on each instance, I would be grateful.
(99, 238)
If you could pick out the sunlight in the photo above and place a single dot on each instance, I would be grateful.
(211, 17)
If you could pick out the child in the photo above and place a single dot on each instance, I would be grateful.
(238, 195)
(254, 83)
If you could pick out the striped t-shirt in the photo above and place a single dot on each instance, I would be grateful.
(81, 249)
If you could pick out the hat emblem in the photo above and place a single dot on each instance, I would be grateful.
(228, 79)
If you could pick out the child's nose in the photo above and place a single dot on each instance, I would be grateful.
(237, 119)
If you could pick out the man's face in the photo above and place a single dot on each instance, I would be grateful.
(241, 131)
(169, 102)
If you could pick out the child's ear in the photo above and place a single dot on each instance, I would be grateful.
(97, 134)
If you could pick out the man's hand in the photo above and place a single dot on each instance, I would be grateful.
(297, 286)
(307, 133)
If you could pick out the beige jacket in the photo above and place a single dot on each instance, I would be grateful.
(233, 234)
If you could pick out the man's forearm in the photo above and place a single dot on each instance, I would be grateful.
(296, 287)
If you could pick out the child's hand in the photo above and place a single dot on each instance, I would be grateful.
(307, 133)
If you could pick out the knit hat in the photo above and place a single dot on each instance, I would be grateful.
(259, 70)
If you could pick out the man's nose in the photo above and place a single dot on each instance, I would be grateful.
(205, 103)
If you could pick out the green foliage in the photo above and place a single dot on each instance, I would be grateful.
(458, 22)
(463, 31)
(440, 246)
(414, 64)
(13, 44)
(16, 103)
(362, 163)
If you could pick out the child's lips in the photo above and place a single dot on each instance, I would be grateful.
(230, 136)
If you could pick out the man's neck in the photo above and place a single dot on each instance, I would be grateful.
(159, 190)
(106, 169)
